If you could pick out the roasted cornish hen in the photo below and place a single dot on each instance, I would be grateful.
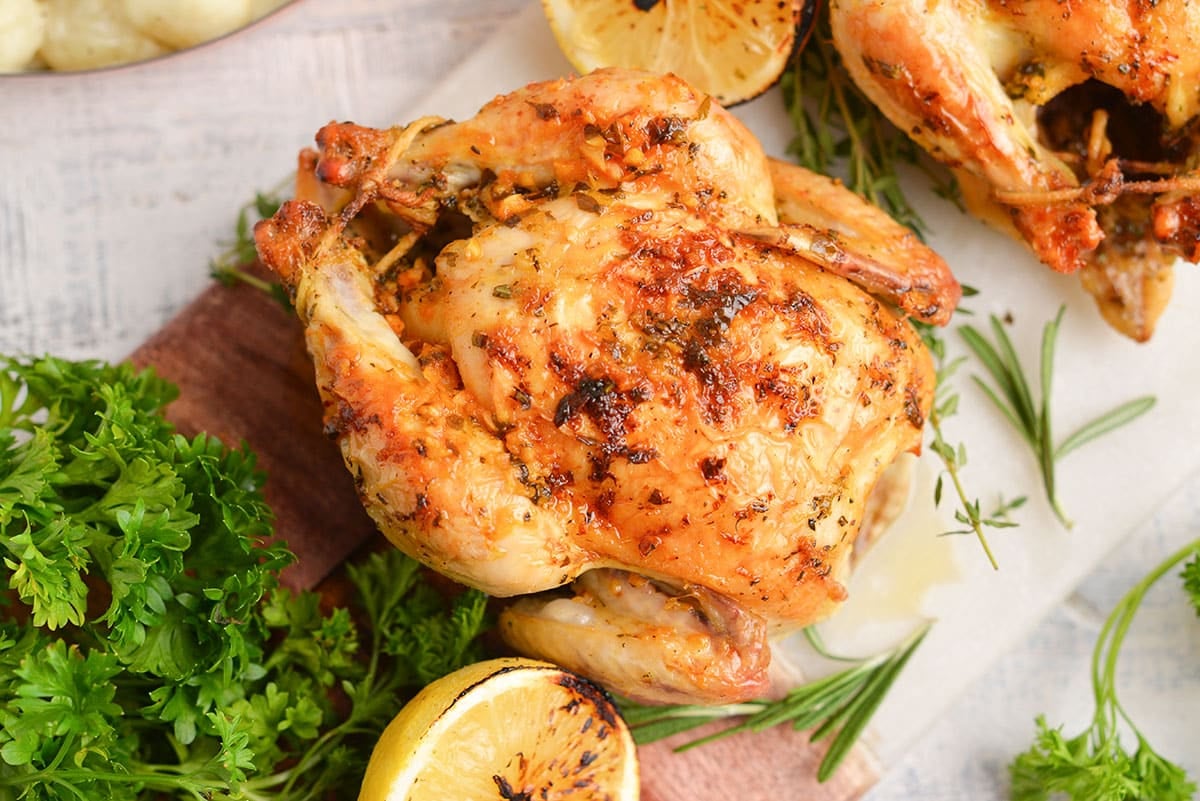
(571, 352)
(1071, 123)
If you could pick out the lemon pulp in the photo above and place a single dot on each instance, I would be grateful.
(731, 50)
(506, 729)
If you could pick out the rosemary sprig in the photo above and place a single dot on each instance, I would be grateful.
(839, 705)
(1032, 419)
(836, 125)
(229, 266)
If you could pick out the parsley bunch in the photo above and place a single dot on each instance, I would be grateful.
(146, 648)
(1094, 765)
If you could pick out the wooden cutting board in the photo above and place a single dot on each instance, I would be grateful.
(239, 360)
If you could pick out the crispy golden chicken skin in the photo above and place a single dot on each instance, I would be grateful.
(570, 353)
(1071, 123)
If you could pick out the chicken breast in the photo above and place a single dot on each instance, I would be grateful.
(1073, 125)
(570, 351)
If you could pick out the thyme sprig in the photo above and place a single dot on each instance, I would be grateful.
(953, 457)
(839, 706)
(999, 517)
(1031, 417)
(229, 266)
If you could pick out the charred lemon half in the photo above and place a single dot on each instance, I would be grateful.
(733, 51)
(505, 729)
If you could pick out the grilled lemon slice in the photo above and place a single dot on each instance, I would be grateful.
(505, 729)
(731, 50)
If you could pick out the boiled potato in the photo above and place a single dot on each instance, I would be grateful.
(260, 8)
(22, 28)
(86, 34)
(184, 23)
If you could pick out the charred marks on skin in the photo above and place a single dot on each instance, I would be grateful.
(587, 202)
(502, 349)
(665, 130)
(885, 69)
(719, 380)
(544, 111)
(342, 417)
(544, 487)
(713, 470)
(794, 399)
(912, 407)
(806, 317)
(690, 309)
(608, 409)
(642, 147)
(605, 500)
(425, 513)
(648, 543)
(691, 313)
(881, 380)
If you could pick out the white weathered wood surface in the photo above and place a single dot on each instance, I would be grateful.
(115, 189)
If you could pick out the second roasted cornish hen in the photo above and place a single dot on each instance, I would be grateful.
(570, 353)
(1072, 123)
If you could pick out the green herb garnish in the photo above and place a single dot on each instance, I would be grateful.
(954, 456)
(229, 266)
(1094, 765)
(146, 648)
(1013, 396)
(1191, 582)
(839, 706)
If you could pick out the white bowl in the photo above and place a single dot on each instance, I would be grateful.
(46, 72)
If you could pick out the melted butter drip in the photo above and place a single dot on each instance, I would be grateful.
(895, 583)
(895, 577)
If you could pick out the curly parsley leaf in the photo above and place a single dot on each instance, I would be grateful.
(1191, 582)
(146, 648)
(1084, 767)
(1095, 764)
